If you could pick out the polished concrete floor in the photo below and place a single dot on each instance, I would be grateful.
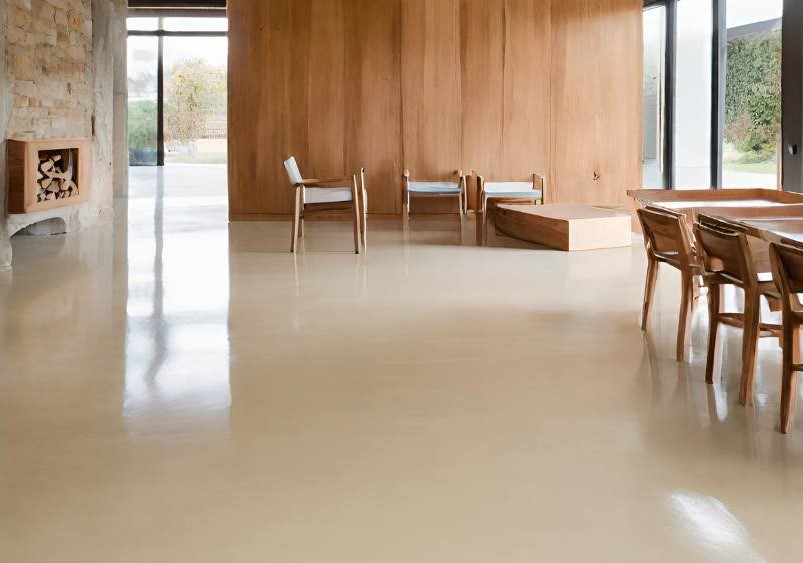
(178, 389)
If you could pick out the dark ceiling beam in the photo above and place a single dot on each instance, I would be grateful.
(177, 4)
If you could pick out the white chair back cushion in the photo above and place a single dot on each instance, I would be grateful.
(508, 187)
(291, 166)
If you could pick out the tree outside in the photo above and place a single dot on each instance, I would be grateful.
(753, 103)
(195, 112)
(194, 115)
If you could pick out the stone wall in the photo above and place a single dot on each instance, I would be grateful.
(58, 82)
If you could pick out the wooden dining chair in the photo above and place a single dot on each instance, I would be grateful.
(787, 270)
(667, 240)
(314, 196)
(727, 260)
(419, 189)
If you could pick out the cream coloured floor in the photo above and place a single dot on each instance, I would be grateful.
(178, 389)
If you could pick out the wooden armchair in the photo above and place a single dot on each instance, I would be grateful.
(411, 188)
(533, 189)
(322, 196)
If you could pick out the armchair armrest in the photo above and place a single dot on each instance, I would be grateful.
(322, 182)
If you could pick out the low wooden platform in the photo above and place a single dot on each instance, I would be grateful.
(566, 227)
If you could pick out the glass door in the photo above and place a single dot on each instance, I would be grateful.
(142, 100)
(750, 155)
(654, 61)
(195, 100)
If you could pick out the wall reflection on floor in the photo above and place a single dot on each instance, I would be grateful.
(177, 341)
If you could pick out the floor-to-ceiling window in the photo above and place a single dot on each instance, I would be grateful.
(177, 90)
(143, 94)
(654, 66)
(692, 112)
(752, 131)
(712, 93)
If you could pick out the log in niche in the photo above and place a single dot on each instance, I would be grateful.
(45, 174)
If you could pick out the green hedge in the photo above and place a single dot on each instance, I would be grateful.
(753, 97)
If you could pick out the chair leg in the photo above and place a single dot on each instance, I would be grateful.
(296, 221)
(356, 206)
(484, 219)
(791, 338)
(684, 318)
(714, 294)
(752, 318)
(301, 228)
(364, 225)
(649, 291)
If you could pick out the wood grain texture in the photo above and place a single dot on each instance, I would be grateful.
(431, 88)
(565, 226)
(508, 87)
(596, 100)
(373, 103)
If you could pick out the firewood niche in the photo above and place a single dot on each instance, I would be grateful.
(47, 173)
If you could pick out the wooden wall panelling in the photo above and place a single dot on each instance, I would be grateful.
(526, 129)
(246, 46)
(373, 99)
(326, 114)
(596, 100)
(431, 90)
(504, 86)
(482, 66)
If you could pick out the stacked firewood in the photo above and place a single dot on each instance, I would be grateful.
(55, 177)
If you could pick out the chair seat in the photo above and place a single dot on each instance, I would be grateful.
(511, 189)
(327, 195)
(434, 187)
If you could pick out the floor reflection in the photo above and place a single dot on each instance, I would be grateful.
(177, 342)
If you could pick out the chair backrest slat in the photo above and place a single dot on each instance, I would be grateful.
(293, 173)
(666, 232)
(787, 262)
(726, 252)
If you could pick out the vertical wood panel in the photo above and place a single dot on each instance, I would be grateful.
(431, 92)
(373, 99)
(483, 42)
(596, 100)
(326, 122)
(526, 130)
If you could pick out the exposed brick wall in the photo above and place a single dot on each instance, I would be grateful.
(48, 52)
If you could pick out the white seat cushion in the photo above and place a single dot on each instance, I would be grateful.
(511, 189)
(434, 187)
(327, 195)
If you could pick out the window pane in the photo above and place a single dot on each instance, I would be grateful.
(195, 24)
(142, 93)
(753, 94)
(195, 99)
(693, 94)
(143, 24)
(654, 50)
